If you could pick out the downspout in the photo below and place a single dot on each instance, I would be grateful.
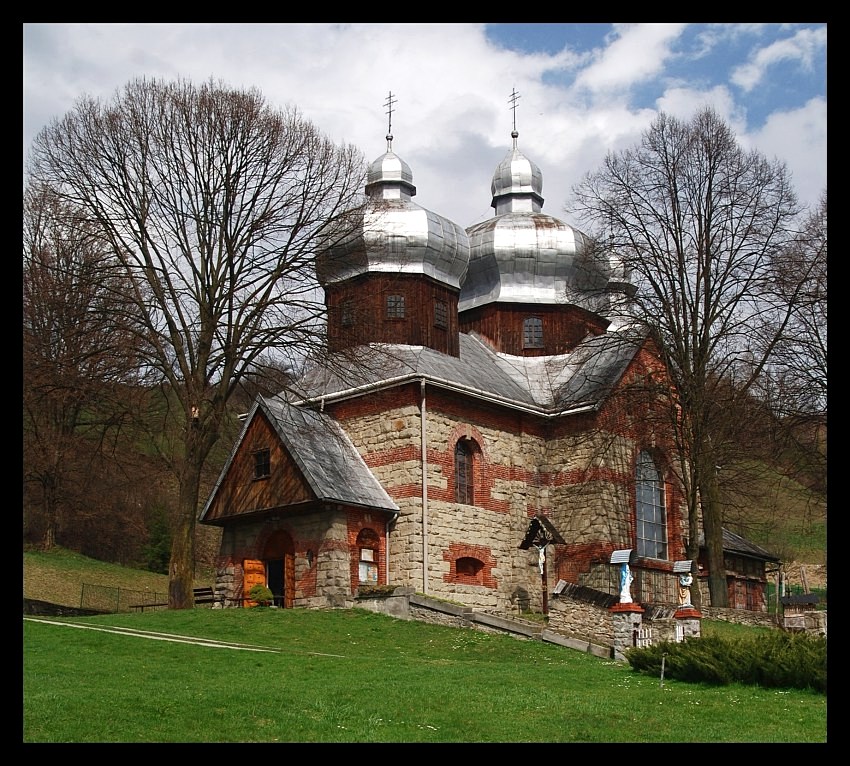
(387, 526)
(424, 467)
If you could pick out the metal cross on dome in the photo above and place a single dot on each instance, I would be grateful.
(513, 99)
(389, 104)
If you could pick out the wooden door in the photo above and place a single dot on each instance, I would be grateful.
(253, 572)
(289, 580)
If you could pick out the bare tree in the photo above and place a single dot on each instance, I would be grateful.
(796, 387)
(81, 359)
(213, 202)
(699, 223)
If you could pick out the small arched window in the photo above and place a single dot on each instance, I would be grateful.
(464, 472)
(469, 569)
(532, 332)
(468, 566)
(650, 510)
(367, 552)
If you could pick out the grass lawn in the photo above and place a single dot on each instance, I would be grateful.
(324, 676)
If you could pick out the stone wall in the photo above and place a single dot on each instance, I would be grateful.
(577, 619)
(518, 473)
(742, 616)
(813, 621)
(321, 580)
(586, 627)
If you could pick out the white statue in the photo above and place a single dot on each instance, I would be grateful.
(626, 578)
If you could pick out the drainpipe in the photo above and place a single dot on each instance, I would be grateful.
(387, 526)
(424, 464)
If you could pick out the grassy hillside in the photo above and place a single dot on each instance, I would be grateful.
(57, 576)
(776, 512)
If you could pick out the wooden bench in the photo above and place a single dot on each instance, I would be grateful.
(204, 595)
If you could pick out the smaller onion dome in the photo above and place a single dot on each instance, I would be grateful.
(517, 183)
(390, 176)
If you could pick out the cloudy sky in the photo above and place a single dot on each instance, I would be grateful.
(584, 89)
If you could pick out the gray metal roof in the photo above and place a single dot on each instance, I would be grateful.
(733, 543)
(545, 385)
(529, 257)
(326, 456)
(522, 255)
(516, 177)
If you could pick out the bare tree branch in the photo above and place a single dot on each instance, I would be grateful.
(700, 225)
(214, 203)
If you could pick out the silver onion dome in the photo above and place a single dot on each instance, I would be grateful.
(397, 235)
(389, 168)
(522, 255)
(517, 183)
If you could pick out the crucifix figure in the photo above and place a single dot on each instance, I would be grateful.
(541, 557)
(541, 533)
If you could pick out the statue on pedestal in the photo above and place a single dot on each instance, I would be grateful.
(686, 579)
(626, 578)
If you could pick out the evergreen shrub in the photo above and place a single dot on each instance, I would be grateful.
(778, 659)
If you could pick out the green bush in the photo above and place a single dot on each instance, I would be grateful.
(261, 594)
(778, 659)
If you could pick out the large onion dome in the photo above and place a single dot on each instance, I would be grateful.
(523, 255)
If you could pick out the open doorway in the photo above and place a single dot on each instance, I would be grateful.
(279, 560)
(275, 579)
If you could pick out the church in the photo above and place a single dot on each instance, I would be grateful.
(486, 423)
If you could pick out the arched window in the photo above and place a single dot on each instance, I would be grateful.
(532, 332)
(368, 549)
(463, 472)
(649, 503)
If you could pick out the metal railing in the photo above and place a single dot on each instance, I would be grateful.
(105, 598)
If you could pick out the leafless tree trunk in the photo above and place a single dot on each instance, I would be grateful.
(700, 224)
(213, 202)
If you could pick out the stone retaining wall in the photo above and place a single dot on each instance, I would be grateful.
(741, 616)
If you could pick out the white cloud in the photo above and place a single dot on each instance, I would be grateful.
(638, 53)
(802, 47)
(797, 137)
(683, 103)
(452, 121)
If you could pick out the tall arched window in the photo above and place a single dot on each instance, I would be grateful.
(651, 515)
(463, 472)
